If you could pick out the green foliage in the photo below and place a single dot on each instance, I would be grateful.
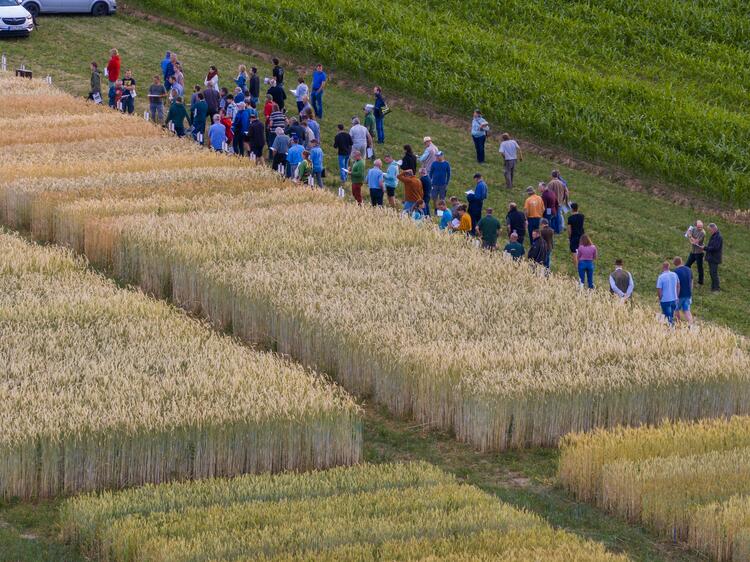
(639, 84)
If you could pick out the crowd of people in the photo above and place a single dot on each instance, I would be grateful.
(240, 120)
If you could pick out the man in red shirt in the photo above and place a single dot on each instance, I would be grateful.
(551, 204)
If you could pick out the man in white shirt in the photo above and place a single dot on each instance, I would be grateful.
(361, 137)
(511, 153)
(621, 282)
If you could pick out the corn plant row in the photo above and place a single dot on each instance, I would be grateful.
(686, 481)
(370, 300)
(104, 388)
(371, 512)
(536, 71)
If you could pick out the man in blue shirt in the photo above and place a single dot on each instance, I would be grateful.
(440, 176)
(391, 179)
(217, 134)
(375, 181)
(476, 199)
(668, 289)
(685, 296)
(445, 214)
(318, 85)
(294, 156)
(316, 157)
(165, 64)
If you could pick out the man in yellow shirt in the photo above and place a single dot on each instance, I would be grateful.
(534, 209)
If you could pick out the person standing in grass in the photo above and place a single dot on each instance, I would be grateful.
(253, 86)
(357, 174)
(212, 78)
(714, 250)
(300, 93)
(378, 110)
(241, 128)
(511, 153)
(376, 183)
(242, 78)
(256, 137)
(560, 189)
(668, 289)
(548, 235)
(685, 295)
(277, 72)
(551, 204)
(128, 92)
(304, 169)
(534, 209)
(217, 134)
(317, 159)
(95, 89)
(212, 98)
(113, 67)
(277, 93)
(391, 179)
(440, 176)
(370, 123)
(476, 198)
(575, 231)
(430, 153)
(293, 156)
(165, 64)
(279, 148)
(514, 248)
(621, 282)
(177, 115)
(696, 235)
(587, 255)
(412, 188)
(175, 89)
(360, 136)
(488, 229)
(156, 95)
(426, 190)
(409, 159)
(200, 114)
(538, 250)
(314, 127)
(516, 222)
(445, 214)
(318, 87)
(479, 130)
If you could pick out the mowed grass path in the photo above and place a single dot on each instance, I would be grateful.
(633, 226)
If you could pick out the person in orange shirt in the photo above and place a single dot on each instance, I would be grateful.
(464, 221)
(412, 189)
(534, 209)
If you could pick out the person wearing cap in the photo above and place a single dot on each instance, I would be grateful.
(255, 137)
(514, 248)
(430, 153)
(511, 153)
(357, 175)
(488, 229)
(377, 111)
(479, 130)
(516, 222)
(361, 138)
(240, 127)
(391, 179)
(412, 189)
(621, 282)
(343, 144)
(279, 149)
(318, 86)
(217, 134)
(476, 198)
(317, 159)
(293, 156)
(440, 175)
(533, 207)
(376, 183)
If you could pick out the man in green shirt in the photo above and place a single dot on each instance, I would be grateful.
(357, 175)
(177, 116)
(514, 247)
(488, 228)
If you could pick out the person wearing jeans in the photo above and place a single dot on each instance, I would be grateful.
(668, 287)
(714, 250)
(318, 85)
(342, 142)
(316, 157)
(511, 153)
(377, 111)
(696, 235)
(479, 130)
(587, 254)
(376, 183)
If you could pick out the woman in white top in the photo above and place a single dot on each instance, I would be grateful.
(212, 78)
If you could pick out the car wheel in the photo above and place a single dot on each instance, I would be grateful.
(33, 9)
(100, 9)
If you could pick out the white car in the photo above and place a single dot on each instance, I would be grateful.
(93, 7)
(15, 19)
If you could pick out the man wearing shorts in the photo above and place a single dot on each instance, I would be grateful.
(685, 296)
(391, 179)
(668, 287)
(575, 231)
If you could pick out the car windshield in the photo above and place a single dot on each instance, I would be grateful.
(6, 3)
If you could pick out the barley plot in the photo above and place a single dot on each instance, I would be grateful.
(367, 513)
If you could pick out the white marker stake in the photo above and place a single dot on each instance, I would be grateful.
(49, 79)
(146, 116)
(171, 127)
(4, 63)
